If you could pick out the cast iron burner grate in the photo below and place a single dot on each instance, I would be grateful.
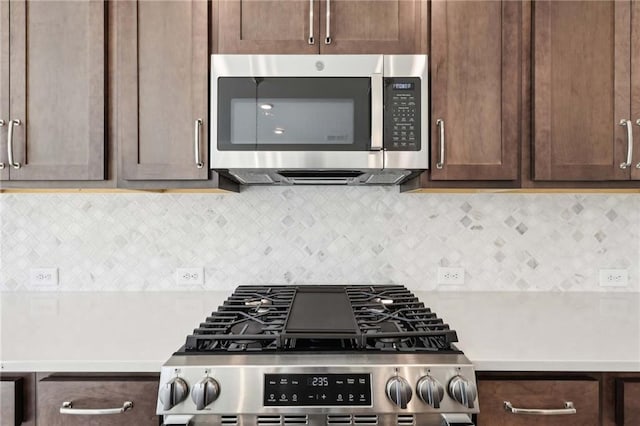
(321, 318)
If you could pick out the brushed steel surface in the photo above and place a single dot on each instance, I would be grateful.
(629, 158)
(196, 143)
(241, 380)
(371, 66)
(319, 420)
(12, 163)
(67, 408)
(568, 409)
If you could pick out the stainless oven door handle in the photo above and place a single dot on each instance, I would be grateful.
(377, 105)
(67, 408)
(568, 409)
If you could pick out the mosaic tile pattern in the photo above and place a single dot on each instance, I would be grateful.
(309, 235)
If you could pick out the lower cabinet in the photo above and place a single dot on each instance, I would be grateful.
(539, 401)
(628, 401)
(85, 400)
(17, 399)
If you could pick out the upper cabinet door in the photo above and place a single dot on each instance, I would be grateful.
(635, 86)
(475, 82)
(56, 90)
(267, 26)
(373, 26)
(582, 90)
(4, 87)
(162, 89)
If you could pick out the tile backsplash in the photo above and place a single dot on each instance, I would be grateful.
(312, 235)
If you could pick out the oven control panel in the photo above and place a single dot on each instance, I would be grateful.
(402, 114)
(300, 390)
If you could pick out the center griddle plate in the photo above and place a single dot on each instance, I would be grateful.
(321, 310)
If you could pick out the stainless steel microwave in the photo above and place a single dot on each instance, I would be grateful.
(319, 119)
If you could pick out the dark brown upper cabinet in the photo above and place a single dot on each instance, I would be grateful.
(585, 59)
(162, 90)
(320, 26)
(475, 90)
(52, 102)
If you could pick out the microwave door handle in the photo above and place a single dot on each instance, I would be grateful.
(377, 104)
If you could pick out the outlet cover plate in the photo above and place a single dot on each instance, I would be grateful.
(43, 277)
(614, 277)
(190, 276)
(451, 276)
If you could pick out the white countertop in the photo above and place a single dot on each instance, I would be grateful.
(138, 331)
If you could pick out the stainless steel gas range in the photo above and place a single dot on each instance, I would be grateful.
(319, 355)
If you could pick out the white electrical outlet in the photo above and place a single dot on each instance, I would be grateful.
(43, 277)
(454, 276)
(614, 277)
(190, 276)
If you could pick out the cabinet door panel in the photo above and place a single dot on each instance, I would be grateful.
(4, 86)
(372, 26)
(581, 89)
(266, 26)
(635, 86)
(475, 89)
(57, 89)
(539, 394)
(162, 89)
(628, 402)
(97, 393)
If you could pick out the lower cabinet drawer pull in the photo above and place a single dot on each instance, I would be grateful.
(67, 408)
(568, 409)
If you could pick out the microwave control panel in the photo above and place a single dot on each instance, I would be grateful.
(402, 114)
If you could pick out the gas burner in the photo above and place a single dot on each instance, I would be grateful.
(322, 318)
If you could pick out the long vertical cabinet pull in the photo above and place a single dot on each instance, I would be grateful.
(638, 165)
(196, 143)
(311, 39)
(13, 164)
(440, 124)
(629, 125)
(2, 123)
(327, 39)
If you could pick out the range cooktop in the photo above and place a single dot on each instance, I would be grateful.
(321, 318)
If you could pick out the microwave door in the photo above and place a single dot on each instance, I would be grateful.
(237, 112)
(315, 123)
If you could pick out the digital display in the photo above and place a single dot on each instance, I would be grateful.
(317, 390)
(402, 86)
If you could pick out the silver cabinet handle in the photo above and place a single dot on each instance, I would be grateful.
(638, 165)
(311, 40)
(440, 124)
(196, 142)
(568, 409)
(327, 39)
(377, 106)
(2, 123)
(13, 164)
(629, 143)
(67, 408)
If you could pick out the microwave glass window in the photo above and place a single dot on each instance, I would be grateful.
(287, 113)
(292, 121)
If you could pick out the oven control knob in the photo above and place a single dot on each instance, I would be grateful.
(463, 391)
(399, 391)
(205, 392)
(173, 393)
(430, 391)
